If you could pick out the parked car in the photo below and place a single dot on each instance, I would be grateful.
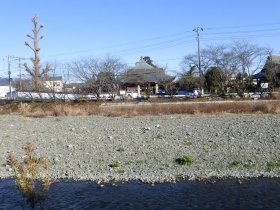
(161, 93)
(188, 93)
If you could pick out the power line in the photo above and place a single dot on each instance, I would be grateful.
(180, 38)
(175, 42)
(242, 32)
(242, 26)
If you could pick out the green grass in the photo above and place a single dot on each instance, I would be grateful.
(185, 160)
(141, 162)
(235, 163)
(270, 166)
(115, 165)
(128, 163)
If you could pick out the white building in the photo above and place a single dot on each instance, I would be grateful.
(5, 87)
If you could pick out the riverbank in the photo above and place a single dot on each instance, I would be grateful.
(105, 149)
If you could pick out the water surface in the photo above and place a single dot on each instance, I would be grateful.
(216, 194)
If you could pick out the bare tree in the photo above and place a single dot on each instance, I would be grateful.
(235, 59)
(250, 58)
(167, 82)
(36, 71)
(98, 75)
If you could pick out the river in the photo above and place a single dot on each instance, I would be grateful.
(212, 194)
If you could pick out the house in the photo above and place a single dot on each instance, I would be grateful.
(270, 73)
(5, 87)
(143, 78)
(54, 84)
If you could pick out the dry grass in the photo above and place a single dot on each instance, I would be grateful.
(236, 107)
(136, 109)
(31, 176)
(39, 109)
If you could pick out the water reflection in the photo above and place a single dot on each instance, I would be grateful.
(219, 194)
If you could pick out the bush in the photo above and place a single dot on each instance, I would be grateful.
(185, 160)
(31, 176)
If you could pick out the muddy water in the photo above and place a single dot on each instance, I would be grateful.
(215, 194)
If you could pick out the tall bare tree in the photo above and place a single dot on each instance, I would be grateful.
(36, 71)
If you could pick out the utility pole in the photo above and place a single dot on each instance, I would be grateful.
(12, 59)
(9, 73)
(199, 62)
(19, 67)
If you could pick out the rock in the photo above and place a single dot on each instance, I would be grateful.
(70, 146)
(157, 126)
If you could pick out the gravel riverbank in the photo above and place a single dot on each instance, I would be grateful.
(145, 148)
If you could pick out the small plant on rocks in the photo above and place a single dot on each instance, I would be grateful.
(114, 165)
(31, 176)
(185, 160)
(235, 163)
(270, 166)
(141, 162)
(121, 149)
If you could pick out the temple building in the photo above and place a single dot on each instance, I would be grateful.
(143, 79)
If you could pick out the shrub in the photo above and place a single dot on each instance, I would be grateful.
(31, 176)
(185, 160)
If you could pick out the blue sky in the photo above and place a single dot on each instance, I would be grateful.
(128, 29)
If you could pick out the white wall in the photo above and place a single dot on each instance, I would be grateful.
(4, 90)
